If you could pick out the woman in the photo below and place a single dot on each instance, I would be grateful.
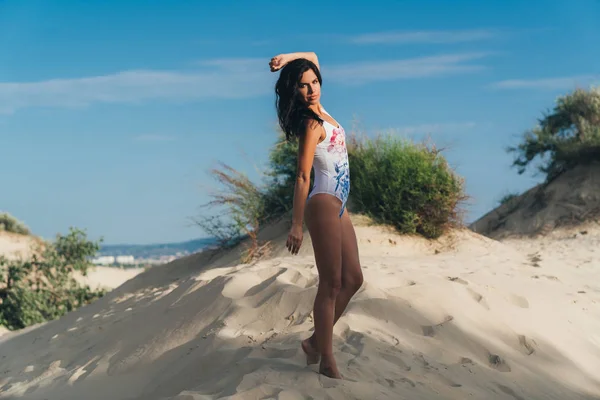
(322, 146)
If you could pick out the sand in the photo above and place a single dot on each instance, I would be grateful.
(569, 200)
(107, 277)
(465, 317)
(14, 246)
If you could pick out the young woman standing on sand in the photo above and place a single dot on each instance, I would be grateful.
(322, 146)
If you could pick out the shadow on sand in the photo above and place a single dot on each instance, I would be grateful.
(167, 334)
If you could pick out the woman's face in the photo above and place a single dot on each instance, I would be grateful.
(309, 88)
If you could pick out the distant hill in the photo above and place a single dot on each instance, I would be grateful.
(155, 250)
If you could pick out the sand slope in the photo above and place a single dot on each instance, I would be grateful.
(569, 200)
(463, 318)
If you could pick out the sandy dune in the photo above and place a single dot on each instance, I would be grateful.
(14, 246)
(462, 318)
(566, 201)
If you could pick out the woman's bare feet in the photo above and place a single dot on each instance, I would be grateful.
(329, 368)
(310, 349)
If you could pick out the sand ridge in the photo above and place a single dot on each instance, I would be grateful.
(462, 317)
(569, 200)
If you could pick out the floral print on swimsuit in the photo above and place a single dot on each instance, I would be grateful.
(337, 146)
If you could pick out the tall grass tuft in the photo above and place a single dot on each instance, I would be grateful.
(8, 223)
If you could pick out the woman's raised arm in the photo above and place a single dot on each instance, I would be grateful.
(281, 60)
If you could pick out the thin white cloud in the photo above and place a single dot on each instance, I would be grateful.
(154, 138)
(233, 80)
(441, 65)
(558, 83)
(447, 127)
(212, 79)
(420, 37)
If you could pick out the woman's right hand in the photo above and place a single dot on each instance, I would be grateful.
(281, 60)
(277, 62)
(294, 240)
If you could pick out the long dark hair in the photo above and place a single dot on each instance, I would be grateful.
(292, 112)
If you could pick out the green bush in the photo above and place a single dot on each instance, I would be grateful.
(43, 288)
(564, 138)
(407, 185)
(9, 223)
(396, 182)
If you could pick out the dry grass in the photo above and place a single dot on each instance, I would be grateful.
(239, 214)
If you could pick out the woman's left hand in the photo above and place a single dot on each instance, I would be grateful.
(294, 240)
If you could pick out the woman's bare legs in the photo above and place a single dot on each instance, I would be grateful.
(352, 280)
(325, 230)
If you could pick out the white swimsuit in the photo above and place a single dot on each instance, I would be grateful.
(332, 174)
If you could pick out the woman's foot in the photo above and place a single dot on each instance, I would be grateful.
(328, 368)
(310, 349)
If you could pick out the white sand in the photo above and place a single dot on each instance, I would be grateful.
(465, 318)
(107, 277)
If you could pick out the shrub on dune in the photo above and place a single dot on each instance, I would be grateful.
(408, 185)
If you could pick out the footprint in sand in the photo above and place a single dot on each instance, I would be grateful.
(478, 298)
(465, 360)
(396, 360)
(498, 363)
(457, 279)
(525, 344)
(551, 277)
(429, 330)
(434, 372)
(353, 343)
(510, 392)
(534, 260)
(408, 382)
(519, 301)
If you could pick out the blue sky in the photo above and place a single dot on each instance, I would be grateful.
(111, 113)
